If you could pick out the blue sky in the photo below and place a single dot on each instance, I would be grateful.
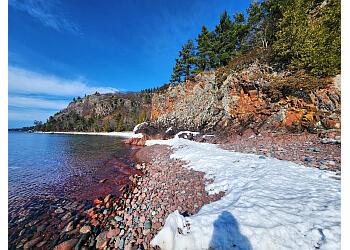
(58, 50)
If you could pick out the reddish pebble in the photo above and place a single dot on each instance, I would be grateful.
(113, 232)
(97, 201)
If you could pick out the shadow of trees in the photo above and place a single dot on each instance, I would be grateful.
(227, 234)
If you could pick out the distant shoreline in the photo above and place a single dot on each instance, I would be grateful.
(126, 134)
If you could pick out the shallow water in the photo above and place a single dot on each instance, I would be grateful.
(50, 166)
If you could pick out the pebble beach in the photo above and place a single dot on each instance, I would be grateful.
(132, 218)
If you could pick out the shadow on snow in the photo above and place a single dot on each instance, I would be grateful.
(227, 234)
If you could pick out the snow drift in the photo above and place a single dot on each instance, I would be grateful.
(268, 203)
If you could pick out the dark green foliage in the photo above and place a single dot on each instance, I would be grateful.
(102, 112)
(107, 127)
(304, 34)
(185, 62)
(309, 36)
(120, 125)
(205, 56)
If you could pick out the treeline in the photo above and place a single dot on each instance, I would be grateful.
(96, 123)
(301, 35)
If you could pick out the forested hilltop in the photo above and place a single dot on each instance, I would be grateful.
(277, 57)
(101, 112)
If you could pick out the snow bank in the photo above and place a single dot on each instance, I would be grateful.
(268, 203)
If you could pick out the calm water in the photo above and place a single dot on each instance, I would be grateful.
(48, 166)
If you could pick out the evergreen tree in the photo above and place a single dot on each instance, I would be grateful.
(309, 36)
(222, 40)
(178, 72)
(255, 35)
(239, 30)
(121, 124)
(185, 62)
(262, 23)
(205, 55)
(107, 127)
(142, 117)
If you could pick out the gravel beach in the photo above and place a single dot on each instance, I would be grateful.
(132, 219)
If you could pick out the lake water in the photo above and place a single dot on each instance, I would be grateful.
(51, 166)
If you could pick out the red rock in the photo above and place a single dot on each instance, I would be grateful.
(113, 232)
(101, 239)
(62, 225)
(94, 222)
(66, 245)
(104, 244)
(97, 201)
(128, 222)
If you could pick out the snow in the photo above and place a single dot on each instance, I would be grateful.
(186, 133)
(268, 203)
(136, 127)
(119, 134)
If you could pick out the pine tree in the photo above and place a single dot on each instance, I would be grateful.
(107, 127)
(121, 124)
(239, 30)
(185, 62)
(222, 40)
(309, 36)
(177, 70)
(205, 55)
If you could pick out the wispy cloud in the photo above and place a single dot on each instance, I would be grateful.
(35, 96)
(28, 116)
(48, 12)
(23, 81)
(36, 102)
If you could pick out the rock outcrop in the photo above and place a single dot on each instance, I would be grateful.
(226, 104)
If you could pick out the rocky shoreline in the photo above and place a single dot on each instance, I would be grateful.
(128, 221)
(306, 149)
(131, 220)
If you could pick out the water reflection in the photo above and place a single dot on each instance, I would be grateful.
(44, 166)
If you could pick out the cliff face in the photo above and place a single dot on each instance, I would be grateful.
(107, 104)
(98, 112)
(212, 102)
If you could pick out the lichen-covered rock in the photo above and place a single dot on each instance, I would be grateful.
(211, 103)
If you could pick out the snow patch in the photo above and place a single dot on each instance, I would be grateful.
(186, 134)
(268, 203)
(137, 127)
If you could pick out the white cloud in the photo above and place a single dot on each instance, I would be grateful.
(36, 102)
(48, 12)
(27, 82)
(34, 96)
(29, 115)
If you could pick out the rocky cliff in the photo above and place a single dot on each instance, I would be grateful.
(257, 98)
(102, 112)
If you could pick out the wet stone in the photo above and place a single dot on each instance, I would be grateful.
(85, 229)
(118, 218)
(148, 225)
(33, 242)
(100, 239)
(67, 216)
(41, 228)
(59, 210)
